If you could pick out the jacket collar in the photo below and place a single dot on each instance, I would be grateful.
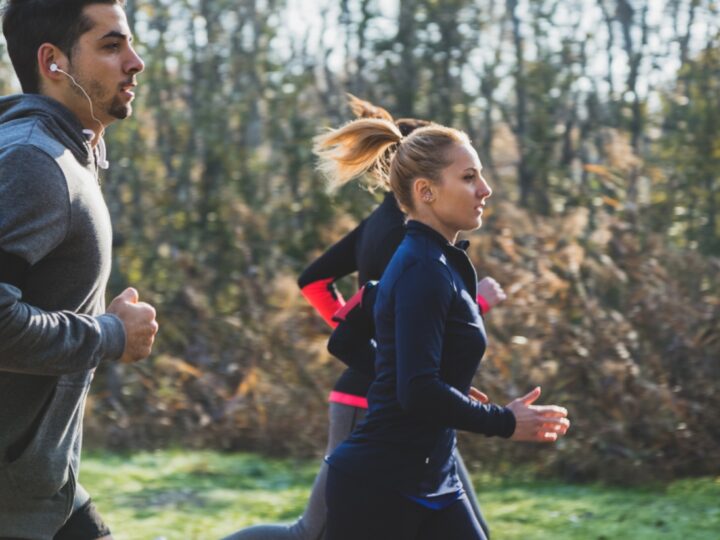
(456, 253)
(416, 227)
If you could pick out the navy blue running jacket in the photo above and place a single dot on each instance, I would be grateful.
(430, 340)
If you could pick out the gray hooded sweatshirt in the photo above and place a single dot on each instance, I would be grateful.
(53, 332)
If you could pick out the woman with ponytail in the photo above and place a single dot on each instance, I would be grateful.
(396, 476)
(367, 249)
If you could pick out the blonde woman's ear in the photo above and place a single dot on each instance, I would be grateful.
(423, 189)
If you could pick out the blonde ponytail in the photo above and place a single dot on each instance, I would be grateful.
(388, 154)
(357, 149)
(364, 109)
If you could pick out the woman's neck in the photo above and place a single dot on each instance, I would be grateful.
(432, 222)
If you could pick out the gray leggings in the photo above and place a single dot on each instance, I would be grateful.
(311, 525)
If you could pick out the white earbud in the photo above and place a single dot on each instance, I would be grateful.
(53, 67)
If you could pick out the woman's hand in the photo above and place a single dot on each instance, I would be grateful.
(538, 423)
(477, 395)
(491, 291)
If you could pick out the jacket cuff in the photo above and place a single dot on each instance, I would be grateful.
(499, 421)
(483, 304)
(113, 336)
(325, 298)
(507, 423)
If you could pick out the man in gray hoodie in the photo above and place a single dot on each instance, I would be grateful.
(77, 67)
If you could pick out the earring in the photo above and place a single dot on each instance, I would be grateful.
(427, 197)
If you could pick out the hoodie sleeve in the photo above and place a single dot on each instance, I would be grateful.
(34, 203)
(34, 219)
(54, 343)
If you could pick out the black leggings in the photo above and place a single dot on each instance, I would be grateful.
(358, 510)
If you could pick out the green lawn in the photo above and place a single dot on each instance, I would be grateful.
(175, 495)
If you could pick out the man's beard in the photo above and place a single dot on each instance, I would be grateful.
(97, 94)
(116, 108)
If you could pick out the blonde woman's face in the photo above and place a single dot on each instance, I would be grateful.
(459, 198)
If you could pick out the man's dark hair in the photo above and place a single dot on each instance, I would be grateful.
(27, 24)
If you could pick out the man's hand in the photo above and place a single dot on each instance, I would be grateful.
(138, 318)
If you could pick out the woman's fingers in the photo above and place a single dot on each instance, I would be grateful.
(551, 429)
(478, 395)
(550, 410)
(538, 423)
(531, 396)
(556, 428)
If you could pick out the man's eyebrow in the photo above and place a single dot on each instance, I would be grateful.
(116, 34)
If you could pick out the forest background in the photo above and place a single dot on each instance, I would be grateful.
(598, 123)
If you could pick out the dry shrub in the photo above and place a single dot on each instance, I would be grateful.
(621, 329)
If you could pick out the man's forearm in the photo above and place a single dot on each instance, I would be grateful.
(53, 343)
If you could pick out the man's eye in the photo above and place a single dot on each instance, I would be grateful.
(112, 46)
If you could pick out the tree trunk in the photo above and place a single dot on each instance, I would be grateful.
(406, 72)
(525, 180)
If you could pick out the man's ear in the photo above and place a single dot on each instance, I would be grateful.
(47, 56)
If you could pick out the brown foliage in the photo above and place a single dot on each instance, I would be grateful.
(620, 329)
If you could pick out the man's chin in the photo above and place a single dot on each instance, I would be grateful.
(120, 111)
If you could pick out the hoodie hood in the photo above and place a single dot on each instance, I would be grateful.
(63, 124)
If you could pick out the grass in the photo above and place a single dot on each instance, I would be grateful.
(176, 495)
